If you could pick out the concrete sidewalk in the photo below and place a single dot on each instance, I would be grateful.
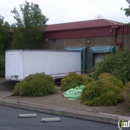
(4, 94)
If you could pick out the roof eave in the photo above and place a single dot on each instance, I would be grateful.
(80, 28)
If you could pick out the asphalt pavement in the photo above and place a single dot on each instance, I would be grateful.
(9, 121)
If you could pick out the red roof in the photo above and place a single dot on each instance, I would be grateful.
(82, 24)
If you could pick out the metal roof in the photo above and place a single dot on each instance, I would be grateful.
(82, 24)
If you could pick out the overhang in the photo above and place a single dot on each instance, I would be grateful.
(102, 49)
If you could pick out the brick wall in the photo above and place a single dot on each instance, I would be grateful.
(61, 44)
(102, 41)
(126, 42)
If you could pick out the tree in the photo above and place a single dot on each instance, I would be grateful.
(28, 29)
(127, 10)
(4, 35)
(117, 65)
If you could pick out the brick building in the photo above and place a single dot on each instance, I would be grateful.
(98, 36)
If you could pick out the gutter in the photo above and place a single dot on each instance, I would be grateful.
(120, 44)
(122, 37)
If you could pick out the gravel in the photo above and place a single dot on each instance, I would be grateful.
(57, 100)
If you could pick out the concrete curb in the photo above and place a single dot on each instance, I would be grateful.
(106, 118)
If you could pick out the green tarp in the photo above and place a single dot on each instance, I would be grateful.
(73, 93)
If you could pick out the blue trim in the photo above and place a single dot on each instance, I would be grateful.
(75, 48)
(99, 50)
(81, 49)
(102, 49)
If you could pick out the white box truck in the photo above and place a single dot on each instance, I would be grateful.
(21, 63)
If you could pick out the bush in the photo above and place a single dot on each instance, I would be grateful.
(2, 66)
(127, 95)
(72, 80)
(2, 63)
(117, 64)
(35, 85)
(101, 93)
(84, 79)
(111, 78)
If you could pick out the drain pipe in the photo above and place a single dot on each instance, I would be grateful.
(115, 35)
(120, 44)
(122, 38)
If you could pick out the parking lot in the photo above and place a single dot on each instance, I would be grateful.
(9, 121)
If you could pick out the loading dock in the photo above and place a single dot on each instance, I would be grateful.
(99, 52)
(83, 51)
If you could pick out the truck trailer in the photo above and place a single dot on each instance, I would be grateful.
(21, 63)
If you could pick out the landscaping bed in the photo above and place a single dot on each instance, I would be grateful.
(57, 100)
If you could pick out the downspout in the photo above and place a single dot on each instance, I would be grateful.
(122, 38)
(120, 44)
(115, 35)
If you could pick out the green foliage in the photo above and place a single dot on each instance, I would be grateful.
(84, 79)
(117, 65)
(127, 84)
(2, 66)
(126, 93)
(4, 35)
(72, 80)
(111, 78)
(2, 63)
(35, 85)
(126, 10)
(29, 27)
(101, 93)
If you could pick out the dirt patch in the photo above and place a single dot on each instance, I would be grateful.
(57, 100)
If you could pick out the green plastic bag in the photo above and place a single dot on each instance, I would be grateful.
(74, 93)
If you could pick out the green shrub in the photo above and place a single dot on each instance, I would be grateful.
(85, 79)
(127, 84)
(35, 85)
(117, 64)
(101, 93)
(2, 66)
(2, 63)
(126, 93)
(112, 79)
(72, 80)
